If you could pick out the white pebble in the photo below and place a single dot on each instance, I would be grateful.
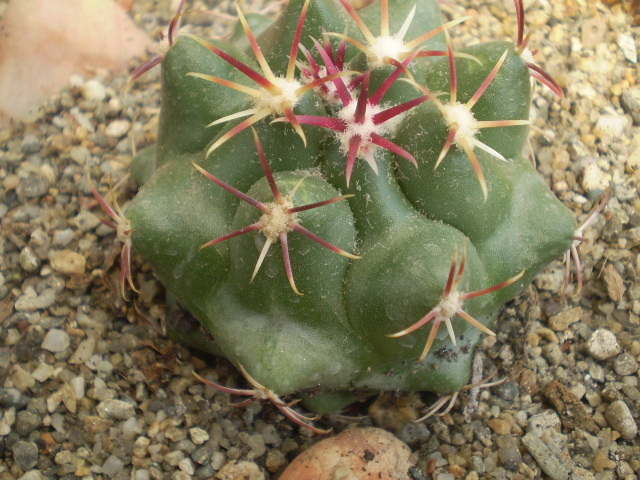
(115, 409)
(112, 466)
(594, 179)
(83, 352)
(77, 385)
(42, 372)
(603, 344)
(610, 125)
(56, 341)
(628, 46)
(117, 128)
(198, 435)
(57, 422)
(31, 301)
(129, 428)
(93, 91)
(174, 458)
(186, 465)
(141, 475)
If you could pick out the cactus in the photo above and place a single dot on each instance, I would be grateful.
(390, 169)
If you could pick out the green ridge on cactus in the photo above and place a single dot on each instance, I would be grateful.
(441, 237)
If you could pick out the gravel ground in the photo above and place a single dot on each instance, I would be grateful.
(90, 388)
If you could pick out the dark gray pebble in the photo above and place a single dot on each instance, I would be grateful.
(27, 422)
(25, 454)
(32, 187)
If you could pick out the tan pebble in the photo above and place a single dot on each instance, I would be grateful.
(501, 427)
(593, 32)
(82, 471)
(60, 143)
(563, 320)
(393, 411)
(615, 284)
(457, 471)
(601, 461)
(529, 381)
(240, 471)
(548, 334)
(68, 262)
(11, 181)
(358, 454)
(117, 128)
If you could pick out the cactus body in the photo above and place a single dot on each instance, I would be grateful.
(483, 221)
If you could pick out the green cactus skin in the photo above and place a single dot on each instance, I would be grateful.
(406, 222)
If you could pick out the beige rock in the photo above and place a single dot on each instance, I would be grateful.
(44, 43)
(68, 262)
(358, 454)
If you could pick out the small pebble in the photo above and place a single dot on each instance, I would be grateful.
(68, 262)
(240, 470)
(625, 364)
(117, 128)
(217, 460)
(186, 465)
(201, 455)
(140, 446)
(56, 341)
(549, 463)
(30, 144)
(29, 260)
(86, 221)
(627, 44)
(603, 344)
(508, 452)
(27, 422)
(112, 466)
(31, 301)
(619, 418)
(42, 372)
(630, 101)
(115, 409)
(594, 180)
(275, 461)
(33, 186)
(256, 444)
(77, 386)
(499, 426)
(609, 125)
(62, 238)
(25, 454)
(79, 154)
(84, 351)
(174, 458)
(198, 435)
(562, 321)
(32, 475)
(93, 91)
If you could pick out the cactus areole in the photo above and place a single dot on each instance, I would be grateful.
(329, 193)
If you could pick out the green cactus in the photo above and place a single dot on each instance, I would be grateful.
(389, 168)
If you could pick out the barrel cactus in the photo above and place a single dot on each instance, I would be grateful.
(331, 187)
